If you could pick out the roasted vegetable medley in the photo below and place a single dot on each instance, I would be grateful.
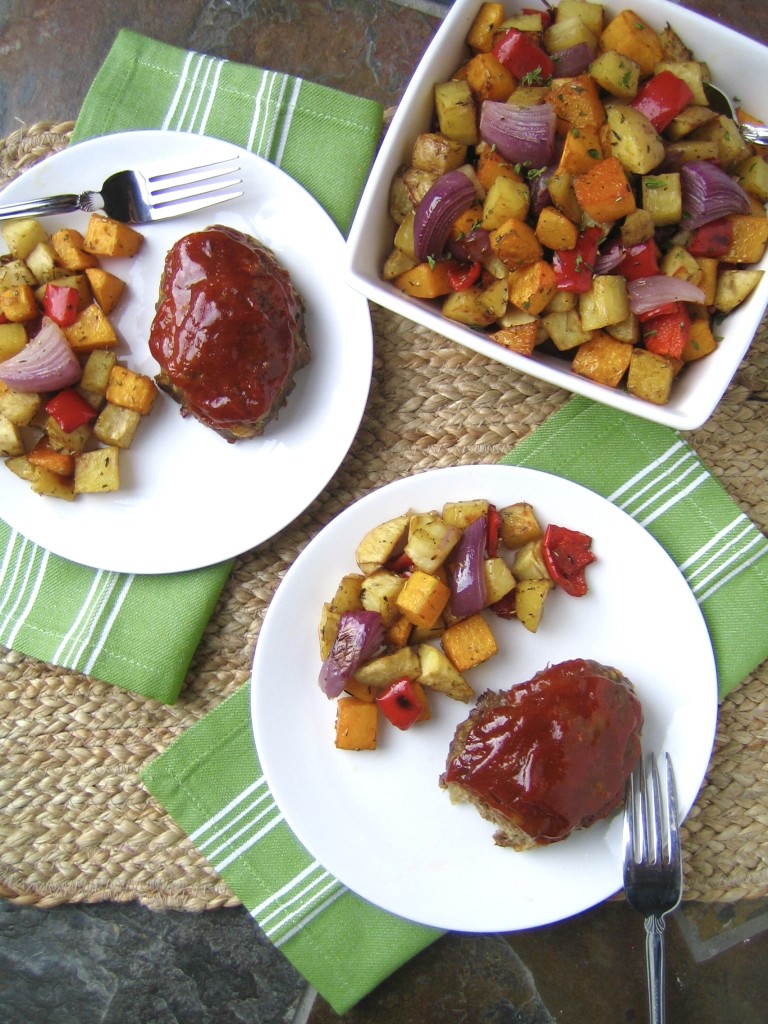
(67, 407)
(577, 194)
(415, 618)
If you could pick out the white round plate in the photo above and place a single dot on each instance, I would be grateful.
(187, 497)
(378, 819)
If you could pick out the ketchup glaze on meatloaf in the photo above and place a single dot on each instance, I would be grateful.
(550, 755)
(228, 331)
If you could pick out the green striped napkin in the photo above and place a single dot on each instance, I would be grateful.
(140, 632)
(211, 783)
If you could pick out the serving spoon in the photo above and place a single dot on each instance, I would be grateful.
(722, 104)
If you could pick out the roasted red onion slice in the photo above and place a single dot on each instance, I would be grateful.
(466, 570)
(523, 135)
(573, 61)
(649, 293)
(709, 193)
(451, 195)
(358, 638)
(46, 363)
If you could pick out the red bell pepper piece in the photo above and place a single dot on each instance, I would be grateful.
(60, 303)
(400, 563)
(70, 410)
(463, 275)
(522, 57)
(567, 553)
(666, 335)
(713, 239)
(400, 704)
(505, 607)
(574, 267)
(662, 98)
(640, 260)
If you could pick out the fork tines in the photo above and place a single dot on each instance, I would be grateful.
(214, 181)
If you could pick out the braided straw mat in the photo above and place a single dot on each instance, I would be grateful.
(78, 824)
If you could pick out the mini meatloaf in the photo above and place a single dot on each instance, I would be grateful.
(228, 331)
(548, 756)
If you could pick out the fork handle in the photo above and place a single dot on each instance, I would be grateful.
(41, 207)
(654, 959)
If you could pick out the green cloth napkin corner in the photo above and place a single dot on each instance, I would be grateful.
(652, 474)
(141, 632)
(211, 783)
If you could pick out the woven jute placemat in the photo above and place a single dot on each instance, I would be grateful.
(78, 826)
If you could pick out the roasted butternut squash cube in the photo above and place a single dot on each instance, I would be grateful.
(469, 642)
(357, 723)
(131, 390)
(489, 79)
(577, 103)
(105, 236)
(555, 231)
(750, 236)
(68, 244)
(604, 192)
(515, 243)
(91, 330)
(18, 304)
(105, 287)
(629, 35)
(532, 286)
(423, 598)
(487, 21)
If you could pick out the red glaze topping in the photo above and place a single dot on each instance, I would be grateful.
(554, 753)
(226, 327)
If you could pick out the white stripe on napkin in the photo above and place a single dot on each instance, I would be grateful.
(732, 550)
(193, 89)
(88, 631)
(19, 544)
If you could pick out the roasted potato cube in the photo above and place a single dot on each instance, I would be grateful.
(347, 596)
(105, 287)
(116, 425)
(52, 485)
(438, 673)
(430, 540)
(456, 111)
(356, 724)
(565, 329)
(98, 366)
(68, 441)
(13, 338)
(423, 598)
(616, 73)
(380, 672)
(21, 467)
(462, 513)
(650, 376)
(753, 177)
(16, 272)
(588, 12)
(45, 456)
(131, 390)
(68, 245)
(327, 629)
(498, 579)
(530, 596)
(606, 302)
(733, 286)
(379, 593)
(469, 642)
(662, 197)
(565, 33)
(381, 543)
(505, 198)
(602, 359)
(20, 407)
(518, 525)
(97, 471)
(633, 140)
(105, 236)
(11, 441)
(42, 262)
(529, 562)
(434, 152)
(91, 330)
(21, 236)
(399, 633)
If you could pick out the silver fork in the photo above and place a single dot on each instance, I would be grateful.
(653, 868)
(131, 197)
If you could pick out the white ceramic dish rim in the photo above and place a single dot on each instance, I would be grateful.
(696, 394)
